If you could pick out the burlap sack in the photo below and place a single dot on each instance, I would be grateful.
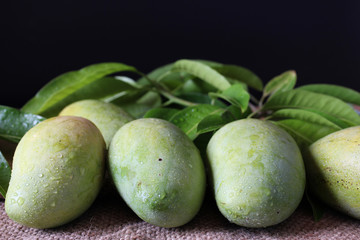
(110, 218)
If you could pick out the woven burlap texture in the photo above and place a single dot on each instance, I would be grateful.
(110, 218)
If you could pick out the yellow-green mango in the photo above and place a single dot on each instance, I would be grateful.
(58, 169)
(257, 172)
(333, 170)
(158, 171)
(106, 116)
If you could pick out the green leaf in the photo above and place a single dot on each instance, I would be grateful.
(240, 74)
(156, 74)
(308, 100)
(234, 81)
(5, 173)
(200, 98)
(203, 86)
(139, 106)
(189, 118)
(15, 123)
(334, 120)
(175, 80)
(191, 86)
(236, 95)
(235, 73)
(112, 86)
(214, 122)
(136, 110)
(162, 113)
(210, 123)
(209, 63)
(163, 77)
(305, 133)
(201, 71)
(346, 94)
(235, 113)
(283, 82)
(129, 96)
(66, 84)
(106, 89)
(305, 115)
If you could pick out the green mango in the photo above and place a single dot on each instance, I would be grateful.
(257, 172)
(58, 170)
(333, 170)
(106, 116)
(158, 171)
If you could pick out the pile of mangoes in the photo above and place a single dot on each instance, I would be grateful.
(255, 169)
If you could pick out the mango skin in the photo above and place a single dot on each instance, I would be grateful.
(106, 116)
(158, 172)
(257, 173)
(58, 170)
(333, 169)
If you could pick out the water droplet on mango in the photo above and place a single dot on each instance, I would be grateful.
(20, 201)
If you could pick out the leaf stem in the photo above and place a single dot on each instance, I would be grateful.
(175, 99)
(255, 110)
(262, 99)
(166, 93)
(254, 99)
(163, 75)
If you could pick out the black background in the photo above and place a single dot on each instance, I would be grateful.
(42, 39)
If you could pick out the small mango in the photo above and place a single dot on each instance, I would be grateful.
(257, 172)
(158, 171)
(58, 169)
(106, 116)
(333, 169)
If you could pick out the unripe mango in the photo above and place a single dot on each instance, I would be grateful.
(333, 169)
(106, 116)
(58, 169)
(158, 171)
(257, 172)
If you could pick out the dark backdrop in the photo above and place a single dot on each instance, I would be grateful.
(42, 39)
